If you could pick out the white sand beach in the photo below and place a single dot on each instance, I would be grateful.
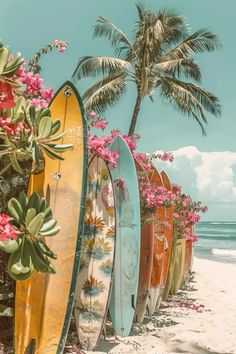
(200, 320)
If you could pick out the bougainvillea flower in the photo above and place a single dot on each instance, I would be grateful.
(47, 94)
(12, 129)
(60, 45)
(100, 125)
(121, 183)
(7, 231)
(6, 96)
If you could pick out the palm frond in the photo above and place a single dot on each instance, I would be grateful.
(96, 65)
(182, 66)
(106, 28)
(199, 42)
(176, 29)
(141, 11)
(190, 99)
(105, 93)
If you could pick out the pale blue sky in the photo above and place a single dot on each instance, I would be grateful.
(26, 25)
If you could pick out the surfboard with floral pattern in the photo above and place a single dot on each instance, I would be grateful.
(97, 256)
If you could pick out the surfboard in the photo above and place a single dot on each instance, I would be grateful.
(127, 252)
(97, 256)
(43, 328)
(168, 239)
(178, 267)
(146, 252)
(187, 261)
(158, 247)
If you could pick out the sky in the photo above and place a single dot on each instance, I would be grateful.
(205, 166)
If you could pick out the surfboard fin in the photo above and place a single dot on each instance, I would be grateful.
(31, 347)
(132, 302)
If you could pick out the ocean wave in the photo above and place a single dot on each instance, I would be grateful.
(224, 252)
(223, 222)
(217, 237)
(215, 230)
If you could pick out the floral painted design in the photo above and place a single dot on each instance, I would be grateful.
(93, 225)
(111, 232)
(96, 248)
(106, 267)
(93, 287)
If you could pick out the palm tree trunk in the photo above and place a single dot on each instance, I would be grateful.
(135, 114)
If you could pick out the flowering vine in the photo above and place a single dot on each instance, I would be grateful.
(186, 214)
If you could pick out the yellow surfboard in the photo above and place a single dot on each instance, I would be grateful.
(44, 302)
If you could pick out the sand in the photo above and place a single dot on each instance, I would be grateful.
(200, 320)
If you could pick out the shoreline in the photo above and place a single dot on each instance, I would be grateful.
(201, 319)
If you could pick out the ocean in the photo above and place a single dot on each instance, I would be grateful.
(217, 241)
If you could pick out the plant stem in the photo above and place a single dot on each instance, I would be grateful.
(5, 169)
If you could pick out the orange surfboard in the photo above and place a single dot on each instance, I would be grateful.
(168, 238)
(146, 253)
(158, 247)
(44, 302)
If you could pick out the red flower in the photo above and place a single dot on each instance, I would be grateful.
(7, 231)
(6, 96)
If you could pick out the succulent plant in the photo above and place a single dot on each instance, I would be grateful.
(9, 67)
(37, 136)
(33, 218)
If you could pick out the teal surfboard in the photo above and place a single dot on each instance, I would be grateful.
(127, 251)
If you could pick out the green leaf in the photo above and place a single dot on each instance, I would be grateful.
(51, 232)
(9, 246)
(57, 137)
(20, 264)
(36, 224)
(56, 124)
(34, 201)
(45, 127)
(15, 164)
(6, 311)
(60, 147)
(50, 153)
(23, 200)
(15, 209)
(4, 54)
(48, 225)
(31, 213)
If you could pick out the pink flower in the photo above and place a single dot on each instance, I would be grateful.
(166, 156)
(92, 115)
(10, 128)
(60, 45)
(100, 125)
(186, 201)
(176, 188)
(144, 160)
(6, 96)
(7, 231)
(39, 103)
(33, 83)
(47, 94)
(121, 183)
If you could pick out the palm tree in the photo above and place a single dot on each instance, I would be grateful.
(159, 58)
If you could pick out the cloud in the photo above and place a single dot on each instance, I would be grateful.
(206, 176)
